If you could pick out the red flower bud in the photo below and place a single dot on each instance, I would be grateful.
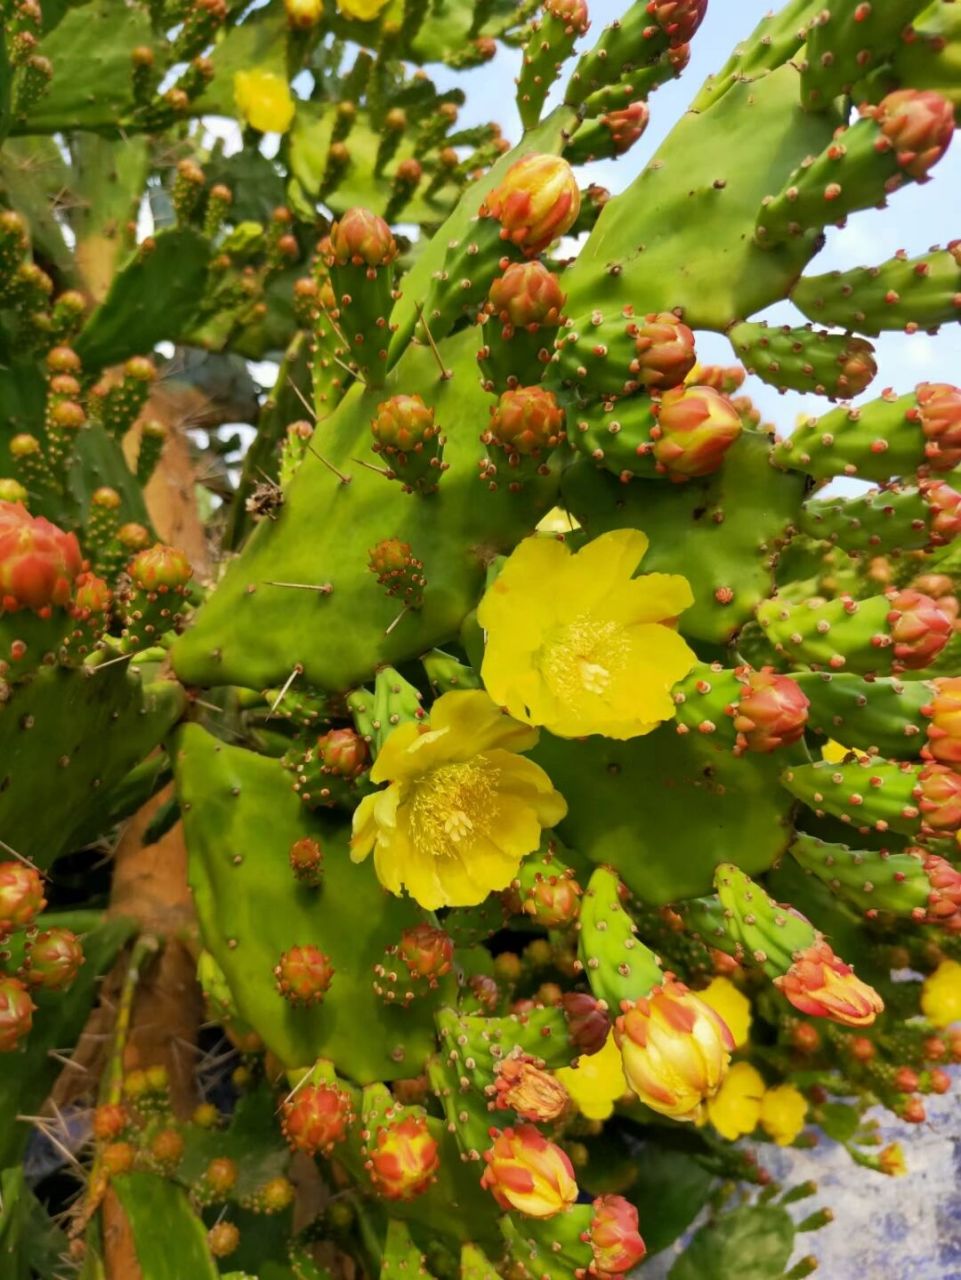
(403, 424)
(21, 896)
(160, 568)
(362, 239)
(109, 1121)
(906, 1080)
(919, 125)
(573, 13)
(92, 597)
(307, 861)
(588, 1022)
(526, 422)
(912, 1111)
(805, 1038)
(665, 352)
(402, 1160)
(527, 1174)
(944, 729)
(38, 561)
(821, 985)
(398, 570)
(304, 975)
(614, 1237)
(938, 793)
(535, 202)
(678, 19)
(316, 1117)
(858, 368)
(918, 626)
(771, 712)
(552, 901)
(54, 958)
(939, 407)
(521, 1084)
(861, 1048)
(527, 296)
(16, 1013)
(944, 504)
(695, 428)
(133, 536)
(626, 125)
(428, 952)
(944, 903)
(342, 752)
(939, 1081)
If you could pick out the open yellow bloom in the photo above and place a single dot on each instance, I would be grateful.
(941, 994)
(462, 808)
(736, 1107)
(264, 100)
(733, 1006)
(596, 1082)
(361, 10)
(783, 1112)
(577, 644)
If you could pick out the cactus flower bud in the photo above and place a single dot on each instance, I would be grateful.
(223, 1239)
(362, 239)
(675, 1049)
(428, 952)
(939, 408)
(38, 562)
(891, 1161)
(918, 124)
(133, 536)
(553, 901)
(821, 985)
(535, 202)
(527, 1174)
(21, 896)
(665, 352)
(526, 422)
(918, 626)
(527, 296)
(614, 1237)
(316, 1117)
(12, 491)
(398, 570)
(16, 1013)
(521, 1084)
(771, 712)
(626, 125)
(406, 434)
(944, 505)
(109, 1121)
(342, 752)
(678, 19)
(54, 958)
(695, 428)
(402, 1160)
(118, 1157)
(588, 1023)
(304, 14)
(944, 729)
(938, 793)
(91, 598)
(304, 975)
(307, 861)
(573, 13)
(160, 568)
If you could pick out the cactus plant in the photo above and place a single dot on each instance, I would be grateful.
(534, 776)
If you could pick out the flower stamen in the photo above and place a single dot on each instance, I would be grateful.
(451, 805)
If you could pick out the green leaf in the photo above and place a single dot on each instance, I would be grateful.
(838, 1120)
(170, 1240)
(30, 1243)
(669, 1191)
(753, 1243)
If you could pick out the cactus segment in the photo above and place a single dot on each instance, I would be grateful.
(846, 42)
(225, 788)
(170, 1237)
(870, 880)
(866, 794)
(550, 44)
(892, 519)
(617, 964)
(902, 293)
(835, 365)
(882, 716)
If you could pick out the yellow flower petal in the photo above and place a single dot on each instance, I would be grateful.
(651, 598)
(263, 100)
(602, 566)
(736, 1108)
(477, 724)
(596, 1082)
(361, 10)
(783, 1112)
(733, 1006)
(941, 994)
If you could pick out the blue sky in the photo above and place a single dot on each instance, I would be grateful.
(917, 217)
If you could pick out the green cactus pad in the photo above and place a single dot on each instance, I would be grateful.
(881, 716)
(240, 819)
(170, 1240)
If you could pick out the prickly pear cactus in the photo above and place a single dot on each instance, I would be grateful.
(439, 821)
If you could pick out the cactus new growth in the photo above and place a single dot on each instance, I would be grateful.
(442, 814)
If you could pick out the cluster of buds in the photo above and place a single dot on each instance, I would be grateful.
(771, 711)
(304, 975)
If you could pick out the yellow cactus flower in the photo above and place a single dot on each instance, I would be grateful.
(941, 994)
(462, 808)
(263, 100)
(304, 14)
(361, 10)
(783, 1112)
(596, 1082)
(733, 1006)
(736, 1107)
(577, 644)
